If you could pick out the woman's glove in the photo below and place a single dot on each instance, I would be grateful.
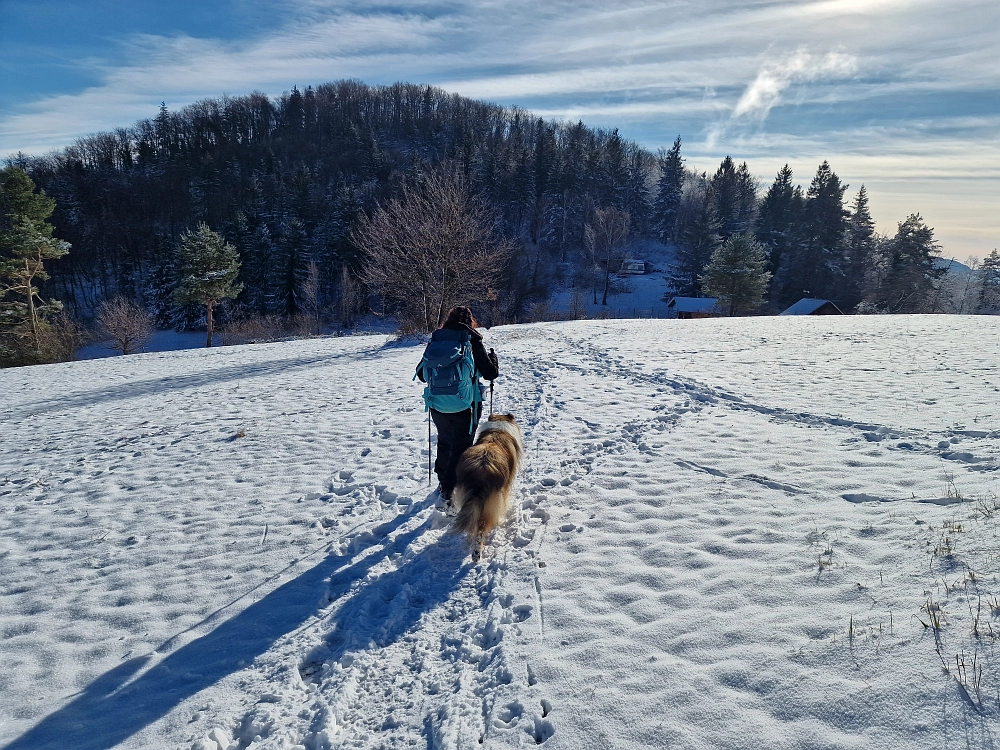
(493, 358)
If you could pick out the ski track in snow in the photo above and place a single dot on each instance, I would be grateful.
(727, 534)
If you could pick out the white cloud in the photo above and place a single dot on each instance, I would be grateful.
(774, 77)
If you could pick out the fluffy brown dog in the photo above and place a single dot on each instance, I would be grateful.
(486, 474)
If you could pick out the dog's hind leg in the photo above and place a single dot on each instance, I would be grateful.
(477, 550)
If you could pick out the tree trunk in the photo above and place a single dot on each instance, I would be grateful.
(32, 315)
(208, 307)
(607, 279)
(562, 239)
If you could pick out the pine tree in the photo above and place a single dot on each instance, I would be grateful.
(290, 267)
(668, 193)
(746, 205)
(815, 265)
(210, 269)
(698, 239)
(737, 274)
(26, 242)
(779, 216)
(725, 192)
(613, 173)
(161, 281)
(637, 192)
(910, 282)
(861, 247)
(989, 284)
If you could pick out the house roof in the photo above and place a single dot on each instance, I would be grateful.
(692, 304)
(807, 306)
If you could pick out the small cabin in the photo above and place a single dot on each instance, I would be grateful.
(632, 267)
(687, 308)
(806, 306)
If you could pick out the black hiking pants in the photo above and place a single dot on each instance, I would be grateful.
(453, 439)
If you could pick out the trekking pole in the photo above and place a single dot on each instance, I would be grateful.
(491, 398)
(428, 448)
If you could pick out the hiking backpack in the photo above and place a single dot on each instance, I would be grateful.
(449, 370)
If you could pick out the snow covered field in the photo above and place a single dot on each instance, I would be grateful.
(750, 533)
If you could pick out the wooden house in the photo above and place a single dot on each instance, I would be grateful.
(807, 306)
(686, 308)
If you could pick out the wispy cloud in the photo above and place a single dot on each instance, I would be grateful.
(774, 78)
(811, 78)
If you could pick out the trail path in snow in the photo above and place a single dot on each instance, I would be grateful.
(727, 534)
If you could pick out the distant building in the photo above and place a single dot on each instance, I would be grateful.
(627, 266)
(632, 267)
(694, 307)
(806, 306)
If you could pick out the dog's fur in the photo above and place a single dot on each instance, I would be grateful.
(486, 474)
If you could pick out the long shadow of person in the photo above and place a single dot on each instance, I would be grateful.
(127, 699)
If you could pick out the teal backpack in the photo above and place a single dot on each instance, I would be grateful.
(449, 370)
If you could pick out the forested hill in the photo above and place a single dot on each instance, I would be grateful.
(284, 180)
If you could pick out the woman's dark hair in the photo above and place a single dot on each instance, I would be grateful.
(460, 314)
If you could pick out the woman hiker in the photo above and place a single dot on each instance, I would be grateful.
(454, 419)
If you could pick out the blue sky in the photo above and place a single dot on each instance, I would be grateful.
(901, 95)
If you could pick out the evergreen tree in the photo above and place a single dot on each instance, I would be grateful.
(669, 189)
(779, 215)
(911, 279)
(989, 284)
(26, 242)
(637, 192)
(699, 238)
(737, 274)
(746, 205)
(210, 269)
(725, 192)
(161, 281)
(290, 267)
(861, 248)
(815, 266)
(613, 174)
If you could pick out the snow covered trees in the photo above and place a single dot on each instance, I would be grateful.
(699, 237)
(912, 273)
(737, 274)
(989, 284)
(210, 268)
(669, 188)
(434, 247)
(26, 242)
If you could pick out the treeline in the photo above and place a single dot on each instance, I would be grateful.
(815, 243)
(287, 180)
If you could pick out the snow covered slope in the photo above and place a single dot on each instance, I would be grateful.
(766, 532)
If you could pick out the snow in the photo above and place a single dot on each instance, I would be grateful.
(729, 533)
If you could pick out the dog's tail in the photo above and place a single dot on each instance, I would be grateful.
(471, 519)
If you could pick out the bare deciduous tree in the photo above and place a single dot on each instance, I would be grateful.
(124, 325)
(605, 233)
(352, 296)
(309, 320)
(434, 247)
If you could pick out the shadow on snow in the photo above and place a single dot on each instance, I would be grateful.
(125, 700)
